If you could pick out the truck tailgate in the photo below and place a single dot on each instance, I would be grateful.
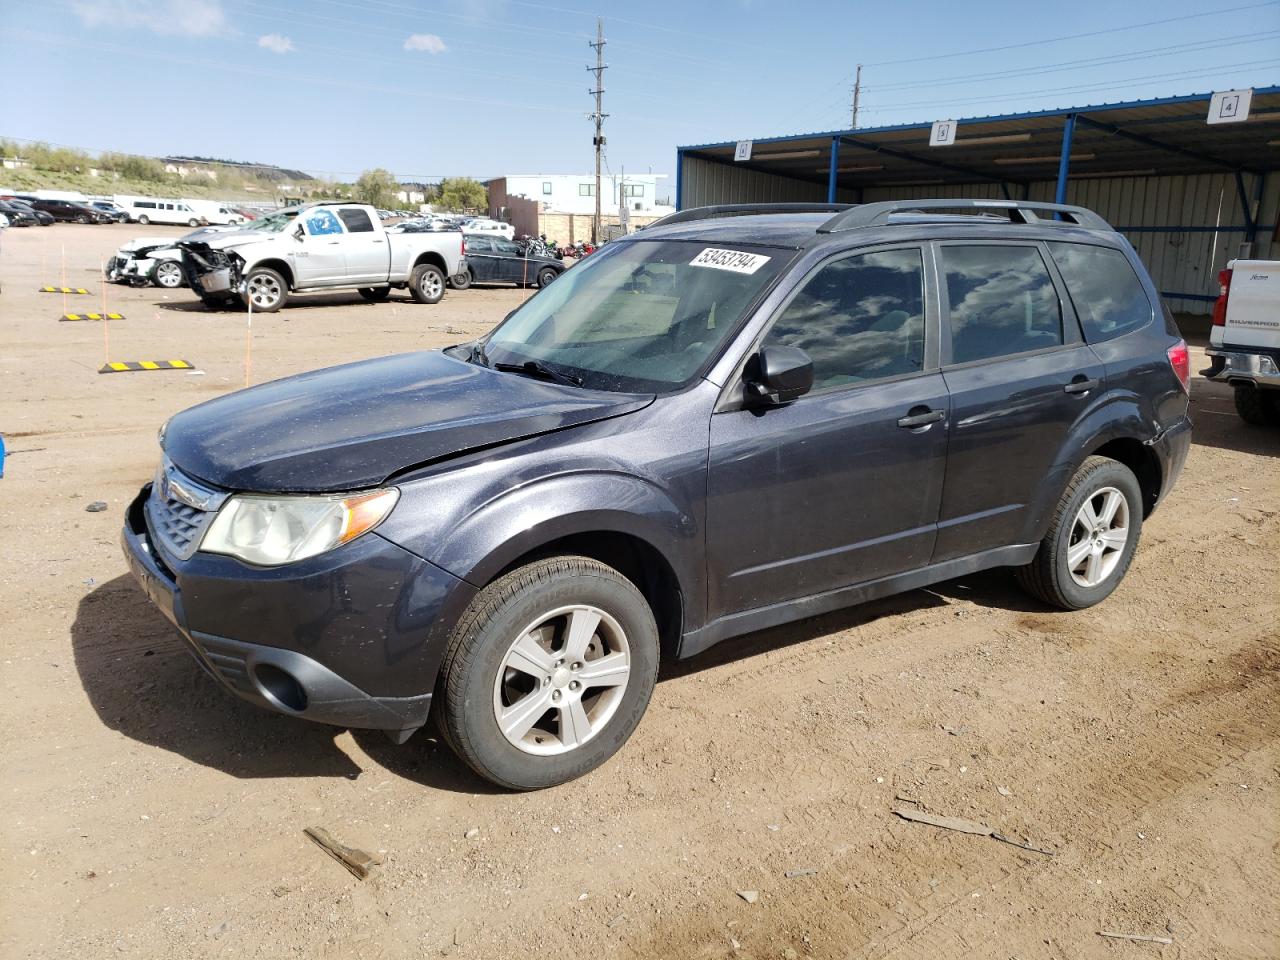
(1253, 307)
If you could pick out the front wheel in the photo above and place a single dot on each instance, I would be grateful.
(1091, 538)
(266, 289)
(193, 222)
(460, 281)
(82, 219)
(167, 274)
(375, 294)
(426, 283)
(546, 276)
(548, 673)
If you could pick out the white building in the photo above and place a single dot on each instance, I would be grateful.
(566, 193)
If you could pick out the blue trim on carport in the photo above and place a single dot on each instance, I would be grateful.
(1064, 159)
(833, 174)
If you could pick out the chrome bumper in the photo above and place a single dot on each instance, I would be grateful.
(1230, 366)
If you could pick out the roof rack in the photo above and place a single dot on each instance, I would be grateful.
(746, 210)
(872, 214)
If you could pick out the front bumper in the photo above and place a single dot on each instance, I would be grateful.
(352, 640)
(1242, 366)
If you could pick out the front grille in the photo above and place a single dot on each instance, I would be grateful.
(179, 510)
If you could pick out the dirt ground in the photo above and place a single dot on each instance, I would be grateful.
(148, 814)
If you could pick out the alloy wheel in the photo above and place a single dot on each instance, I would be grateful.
(561, 680)
(168, 274)
(264, 291)
(1098, 537)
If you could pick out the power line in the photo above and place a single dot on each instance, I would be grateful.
(1154, 53)
(1076, 36)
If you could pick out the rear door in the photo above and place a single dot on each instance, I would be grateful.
(367, 253)
(482, 259)
(838, 487)
(1020, 376)
(511, 260)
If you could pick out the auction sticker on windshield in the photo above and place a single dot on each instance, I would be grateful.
(733, 260)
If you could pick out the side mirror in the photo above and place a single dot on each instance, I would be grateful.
(782, 374)
(298, 232)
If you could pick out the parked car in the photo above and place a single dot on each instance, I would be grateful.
(215, 213)
(18, 216)
(44, 219)
(246, 216)
(491, 227)
(717, 425)
(319, 246)
(155, 260)
(1244, 341)
(70, 211)
(113, 210)
(146, 210)
(493, 259)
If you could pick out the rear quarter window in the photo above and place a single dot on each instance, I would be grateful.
(1107, 294)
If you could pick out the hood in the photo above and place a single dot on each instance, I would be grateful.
(228, 239)
(145, 245)
(350, 427)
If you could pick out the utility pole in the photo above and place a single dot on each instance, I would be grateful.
(857, 94)
(598, 117)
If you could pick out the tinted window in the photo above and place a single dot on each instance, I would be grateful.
(1002, 301)
(860, 318)
(479, 244)
(507, 247)
(357, 220)
(147, 204)
(1107, 294)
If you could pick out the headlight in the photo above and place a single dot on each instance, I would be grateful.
(270, 531)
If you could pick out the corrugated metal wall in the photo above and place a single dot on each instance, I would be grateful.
(1184, 228)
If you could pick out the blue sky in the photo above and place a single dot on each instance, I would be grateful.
(486, 87)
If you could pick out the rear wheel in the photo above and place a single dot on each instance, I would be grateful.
(144, 219)
(1258, 407)
(167, 274)
(548, 673)
(426, 283)
(1091, 538)
(193, 222)
(375, 294)
(266, 289)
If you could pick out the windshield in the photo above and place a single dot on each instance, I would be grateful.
(274, 222)
(638, 316)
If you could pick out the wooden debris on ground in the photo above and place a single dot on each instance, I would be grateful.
(1133, 936)
(360, 864)
(964, 826)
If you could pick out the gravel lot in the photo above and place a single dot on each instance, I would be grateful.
(147, 814)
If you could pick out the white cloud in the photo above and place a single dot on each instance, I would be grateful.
(425, 41)
(276, 43)
(190, 18)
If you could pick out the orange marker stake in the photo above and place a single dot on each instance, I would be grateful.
(106, 321)
(248, 342)
(64, 277)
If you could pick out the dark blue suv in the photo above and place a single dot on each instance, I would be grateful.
(738, 417)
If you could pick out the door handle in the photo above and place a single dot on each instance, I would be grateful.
(334, 243)
(1081, 384)
(920, 417)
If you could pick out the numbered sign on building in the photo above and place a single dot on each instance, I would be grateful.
(1230, 106)
(743, 152)
(943, 133)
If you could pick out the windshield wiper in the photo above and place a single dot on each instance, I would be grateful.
(532, 368)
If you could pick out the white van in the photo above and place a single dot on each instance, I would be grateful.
(146, 210)
(214, 211)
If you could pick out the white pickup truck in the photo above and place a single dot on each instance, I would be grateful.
(1244, 341)
(316, 247)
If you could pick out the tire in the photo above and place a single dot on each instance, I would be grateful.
(460, 281)
(426, 283)
(1261, 408)
(144, 219)
(1110, 544)
(267, 288)
(193, 222)
(167, 274)
(82, 219)
(375, 294)
(546, 277)
(532, 608)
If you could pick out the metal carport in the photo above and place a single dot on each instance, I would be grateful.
(1189, 195)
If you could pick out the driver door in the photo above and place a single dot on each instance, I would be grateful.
(320, 257)
(836, 488)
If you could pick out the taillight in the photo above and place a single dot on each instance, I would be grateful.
(1220, 305)
(1180, 360)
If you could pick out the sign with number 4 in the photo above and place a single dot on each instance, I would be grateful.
(1229, 106)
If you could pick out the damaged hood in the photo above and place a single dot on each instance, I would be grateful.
(144, 245)
(229, 240)
(351, 427)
